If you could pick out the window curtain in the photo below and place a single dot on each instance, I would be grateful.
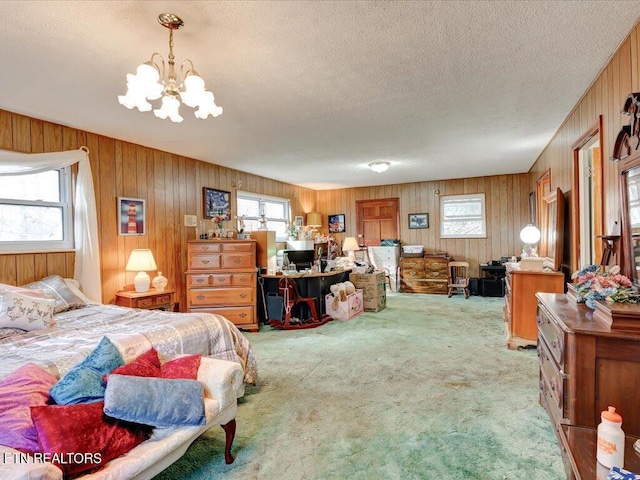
(85, 225)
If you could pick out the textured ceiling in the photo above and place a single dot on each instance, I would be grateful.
(314, 91)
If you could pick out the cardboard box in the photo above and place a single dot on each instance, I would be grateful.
(374, 289)
(362, 280)
(351, 307)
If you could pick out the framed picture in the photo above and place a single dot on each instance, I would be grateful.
(336, 223)
(418, 220)
(131, 216)
(299, 221)
(532, 208)
(216, 202)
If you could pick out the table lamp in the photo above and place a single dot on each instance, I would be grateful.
(530, 235)
(314, 220)
(141, 261)
(350, 245)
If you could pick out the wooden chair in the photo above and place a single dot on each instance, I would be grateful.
(458, 278)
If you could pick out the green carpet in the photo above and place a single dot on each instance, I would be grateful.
(425, 389)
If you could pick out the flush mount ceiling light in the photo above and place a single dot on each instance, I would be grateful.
(379, 167)
(149, 83)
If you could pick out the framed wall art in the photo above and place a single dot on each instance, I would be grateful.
(418, 220)
(299, 221)
(216, 202)
(336, 223)
(131, 216)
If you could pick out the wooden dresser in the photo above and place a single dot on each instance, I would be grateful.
(427, 274)
(520, 302)
(585, 366)
(222, 279)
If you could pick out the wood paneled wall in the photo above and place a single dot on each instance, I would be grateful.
(605, 97)
(171, 184)
(507, 211)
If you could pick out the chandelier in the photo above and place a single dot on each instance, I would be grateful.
(149, 83)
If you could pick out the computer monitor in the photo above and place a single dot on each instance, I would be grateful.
(302, 258)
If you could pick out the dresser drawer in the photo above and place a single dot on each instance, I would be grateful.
(196, 248)
(409, 273)
(436, 264)
(221, 279)
(412, 264)
(239, 260)
(204, 262)
(237, 247)
(552, 335)
(242, 315)
(436, 274)
(554, 378)
(221, 296)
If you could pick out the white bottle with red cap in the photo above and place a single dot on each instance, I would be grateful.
(610, 451)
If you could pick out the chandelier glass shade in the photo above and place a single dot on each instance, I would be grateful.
(153, 80)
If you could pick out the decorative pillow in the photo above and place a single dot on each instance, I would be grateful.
(146, 365)
(55, 286)
(83, 430)
(29, 292)
(25, 387)
(27, 313)
(182, 367)
(157, 402)
(84, 383)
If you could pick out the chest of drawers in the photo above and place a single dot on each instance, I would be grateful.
(428, 274)
(222, 279)
(520, 302)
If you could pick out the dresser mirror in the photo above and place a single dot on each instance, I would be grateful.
(630, 188)
(552, 231)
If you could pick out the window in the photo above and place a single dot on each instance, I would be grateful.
(35, 211)
(462, 216)
(276, 211)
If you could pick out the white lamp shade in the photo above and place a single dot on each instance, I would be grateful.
(350, 244)
(314, 220)
(530, 234)
(141, 260)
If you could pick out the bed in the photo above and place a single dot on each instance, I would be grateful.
(77, 331)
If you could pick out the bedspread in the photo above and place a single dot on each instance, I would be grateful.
(134, 331)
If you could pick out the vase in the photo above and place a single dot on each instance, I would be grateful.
(160, 282)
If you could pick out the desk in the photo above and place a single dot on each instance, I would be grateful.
(309, 285)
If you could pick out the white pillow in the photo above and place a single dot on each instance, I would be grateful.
(27, 313)
(74, 286)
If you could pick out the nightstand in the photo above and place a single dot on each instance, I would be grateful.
(151, 300)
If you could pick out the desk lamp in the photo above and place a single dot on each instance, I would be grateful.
(141, 260)
(530, 235)
(350, 245)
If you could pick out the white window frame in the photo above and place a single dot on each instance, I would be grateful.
(472, 197)
(66, 200)
(261, 199)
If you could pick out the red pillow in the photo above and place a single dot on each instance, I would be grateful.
(82, 437)
(146, 365)
(183, 367)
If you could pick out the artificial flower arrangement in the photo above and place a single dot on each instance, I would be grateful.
(292, 230)
(593, 283)
(218, 219)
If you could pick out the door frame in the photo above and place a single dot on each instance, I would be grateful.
(598, 193)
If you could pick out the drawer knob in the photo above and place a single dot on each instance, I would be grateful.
(205, 262)
(199, 280)
(243, 295)
(220, 279)
(205, 248)
(200, 297)
(237, 261)
(242, 315)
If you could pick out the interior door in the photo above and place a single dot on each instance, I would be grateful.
(377, 220)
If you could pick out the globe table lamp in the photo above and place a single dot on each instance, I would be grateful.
(141, 260)
(530, 235)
